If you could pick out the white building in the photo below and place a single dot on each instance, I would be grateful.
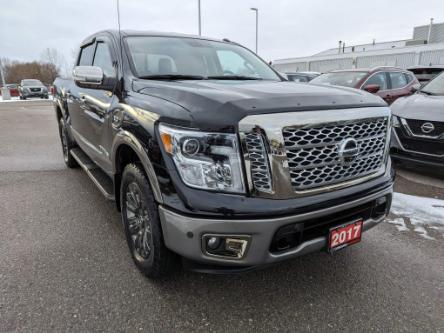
(425, 48)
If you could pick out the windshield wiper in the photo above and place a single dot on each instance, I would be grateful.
(232, 77)
(427, 92)
(172, 77)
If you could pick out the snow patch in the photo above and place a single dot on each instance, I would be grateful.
(17, 99)
(421, 212)
(399, 223)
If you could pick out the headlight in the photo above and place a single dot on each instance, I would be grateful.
(209, 161)
(395, 121)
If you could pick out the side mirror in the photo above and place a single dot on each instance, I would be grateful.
(88, 76)
(372, 88)
(92, 77)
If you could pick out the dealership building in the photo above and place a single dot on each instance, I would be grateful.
(425, 48)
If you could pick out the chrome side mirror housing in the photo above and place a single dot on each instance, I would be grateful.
(88, 75)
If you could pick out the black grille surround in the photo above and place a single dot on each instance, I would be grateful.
(416, 124)
(420, 145)
(314, 157)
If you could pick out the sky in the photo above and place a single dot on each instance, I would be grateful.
(287, 28)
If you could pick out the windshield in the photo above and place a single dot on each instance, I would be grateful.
(435, 87)
(31, 83)
(195, 59)
(346, 79)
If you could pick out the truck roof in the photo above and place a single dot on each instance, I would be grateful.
(125, 33)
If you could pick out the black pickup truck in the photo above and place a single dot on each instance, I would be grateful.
(214, 159)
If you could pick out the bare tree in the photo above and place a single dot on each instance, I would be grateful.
(16, 71)
(51, 56)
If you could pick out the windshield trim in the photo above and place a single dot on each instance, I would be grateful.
(129, 58)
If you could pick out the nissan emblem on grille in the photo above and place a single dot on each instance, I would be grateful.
(348, 151)
(427, 128)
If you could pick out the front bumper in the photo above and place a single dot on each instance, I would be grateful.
(34, 94)
(183, 234)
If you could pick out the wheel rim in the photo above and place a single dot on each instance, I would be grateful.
(139, 227)
(64, 143)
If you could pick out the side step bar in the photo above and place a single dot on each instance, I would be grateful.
(100, 178)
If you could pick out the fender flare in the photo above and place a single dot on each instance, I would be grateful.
(127, 138)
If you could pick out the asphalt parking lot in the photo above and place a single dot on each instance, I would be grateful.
(64, 263)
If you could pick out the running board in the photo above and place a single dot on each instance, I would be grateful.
(100, 178)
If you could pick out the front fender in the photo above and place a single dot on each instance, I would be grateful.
(124, 137)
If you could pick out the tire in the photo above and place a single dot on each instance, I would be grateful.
(67, 145)
(142, 226)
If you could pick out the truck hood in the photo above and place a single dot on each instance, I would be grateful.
(420, 106)
(225, 103)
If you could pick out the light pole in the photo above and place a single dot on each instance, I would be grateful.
(4, 89)
(257, 26)
(200, 18)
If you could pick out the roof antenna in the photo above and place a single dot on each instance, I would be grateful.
(120, 41)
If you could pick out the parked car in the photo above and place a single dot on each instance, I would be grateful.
(426, 73)
(213, 158)
(302, 76)
(418, 126)
(13, 89)
(389, 83)
(32, 88)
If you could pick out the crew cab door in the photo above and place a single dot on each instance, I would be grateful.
(92, 109)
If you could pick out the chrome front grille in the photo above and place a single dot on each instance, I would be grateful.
(260, 171)
(294, 154)
(314, 152)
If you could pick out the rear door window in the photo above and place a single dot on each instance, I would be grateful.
(398, 80)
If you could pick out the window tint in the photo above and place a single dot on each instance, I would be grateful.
(379, 79)
(103, 60)
(86, 55)
(398, 80)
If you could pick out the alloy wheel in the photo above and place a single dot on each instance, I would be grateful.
(139, 226)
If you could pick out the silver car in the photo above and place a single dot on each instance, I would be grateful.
(32, 88)
(418, 126)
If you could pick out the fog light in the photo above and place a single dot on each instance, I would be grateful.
(213, 243)
(226, 246)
